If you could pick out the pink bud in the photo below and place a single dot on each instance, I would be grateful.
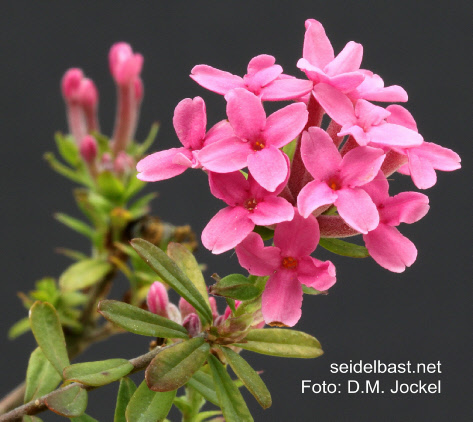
(158, 299)
(70, 84)
(174, 314)
(87, 93)
(123, 163)
(124, 65)
(192, 324)
(186, 308)
(139, 90)
(88, 148)
(228, 311)
(213, 306)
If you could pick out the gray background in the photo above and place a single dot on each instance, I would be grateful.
(423, 315)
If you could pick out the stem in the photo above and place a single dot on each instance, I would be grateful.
(39, 405)
(126, 118)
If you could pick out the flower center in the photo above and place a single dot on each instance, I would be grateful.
(259, 145)
(251, 204)
(333, 184)
(289, 262)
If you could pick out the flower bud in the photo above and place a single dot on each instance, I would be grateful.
(87, 93)
(125, 66)
(192, 324)
(123, 163)
(139, 90)
(228, 310)
(158, 299)
(174, 314)
(70, 84)
(88, 149)
(186, 308)
(213, 306)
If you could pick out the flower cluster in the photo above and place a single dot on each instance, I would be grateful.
(307, 177)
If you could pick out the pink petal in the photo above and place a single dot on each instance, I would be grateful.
(245, 113)
(260, 62)
(360, 166)
(314, 195)
(231, 188)
(346, 82)
(272, 210)
(405, 207)
(219, 131)
(337, 105)
(285, 124)
(391, 94)
(317, 274)
(378, 188)
(317, 48)
(441, 158)
(227, 229)
(348, 60)
(360, 136)
(190, 121)
(369, 114)
(258, 259)
(298, 237)
(258, 192)
(401, 116)
(160, 165)
(268, 167)
(263, 77)
(357, 209)
(226, 155)
(286, 89)
(215, 80)
(394, 135)
(282, 299)
(421, 170)
(314, 73)
(390, 249)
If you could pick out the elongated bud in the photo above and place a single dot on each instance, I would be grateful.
(213, 306)
(192, 324)
(125, 65)
(139, 90)
(70, 84)
(89, 99)
(186, 308)
(88, 149)
(158, 299)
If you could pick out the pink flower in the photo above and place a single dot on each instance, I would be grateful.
(125, 65)
(190, 121)
(257, 139)
(288, 264)
(158, 303)
(249, 205)
(337, 180)
(320, 64)
(365, 121)
(264, 79)
(388, 247)
(373, 89)
(423, 160)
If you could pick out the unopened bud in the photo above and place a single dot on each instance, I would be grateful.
(213, 306)
(70, 84)
(192, 324)
(123, 163)
(186, 308)
(158, 299)
(174, 314)
(139, 90)
(125, 66)
(88, 94)
(88, 149)
(228, 310)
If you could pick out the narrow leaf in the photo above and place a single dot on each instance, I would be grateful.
(76, 225)
(134, 186)
(110, 186)
(249, 377)
(98, 373)
(139, 321)
(170, 272)
(175, 365)
(282, 342)
(149, 139)
(235, 286)
(204, 384)
(71, 402)
(186, 261)
(48, 333)
(41, 376)
(146, 405)
(125, 391)
(340, 247)
(67, 171)
(18, 328)
(231, 401)
(84, 274)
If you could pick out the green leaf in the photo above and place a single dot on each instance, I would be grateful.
(84, 418)
(41, 376)
(149, 140)
(71, 402)
(98, 373)
(290, 149)
(175, 365)
(67, 149)
(66, 171)
(110, 186)
(235, 286)
(249, 377)
(70, 253)
(170, 272)
(76, 225)
(18, 328)
(134, 186)
(340, 247)
(84, 274)
(48, 333)
(139, 321)
(264, 232)
(204, 384)
(146, 405)
(231, 401)
(28, 418)
(125, 392)
(141, 205)
(204, 416)
(186, 261)
(311, 291)
(282, 342)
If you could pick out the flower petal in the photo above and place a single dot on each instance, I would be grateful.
(282, 299)
(337, 105)
(285, 124)
(317, 48)
(272, 210)
(260, 62)
(160, 165)
(215, 80)
(394, 135)
(390, 249)
(314, 195)
(231, 188)
(226, 155)
(348, 60)
(258, 259)
(190, 121)
(405, 207)
(357, 209)
(268, 167)
(360, 166)
(317, 274)
(227, 229)
(286, 89)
